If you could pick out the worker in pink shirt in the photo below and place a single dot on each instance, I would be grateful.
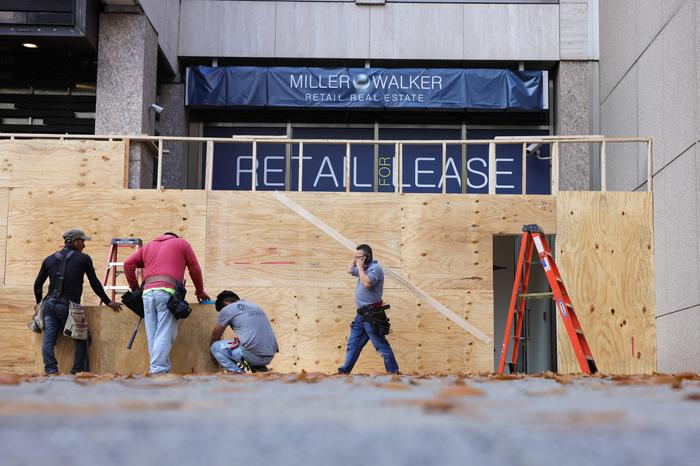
(163, 261)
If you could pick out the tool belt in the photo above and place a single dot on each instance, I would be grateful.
(76, 324)
(375, 315)
(176, 304)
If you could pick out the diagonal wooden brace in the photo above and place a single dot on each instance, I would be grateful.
(398, 278)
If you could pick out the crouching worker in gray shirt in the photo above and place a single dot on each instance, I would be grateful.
(254, 344)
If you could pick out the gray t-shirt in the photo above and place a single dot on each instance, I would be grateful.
(373, 294)
(251, 326)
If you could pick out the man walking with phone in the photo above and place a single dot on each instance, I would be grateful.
(371, 323)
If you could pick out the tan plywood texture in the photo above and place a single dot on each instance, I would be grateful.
(71, 163)
(606, 258)
(4, 199)
(17, 348)
(38, 217)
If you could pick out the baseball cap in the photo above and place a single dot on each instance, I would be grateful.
(75, 233)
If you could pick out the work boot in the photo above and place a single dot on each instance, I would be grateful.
(244, 365)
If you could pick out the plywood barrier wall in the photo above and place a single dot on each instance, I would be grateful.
(605, 253)
(71, 163)
(251, 243)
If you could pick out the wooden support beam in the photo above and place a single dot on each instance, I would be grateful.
(524, 174)
(301, 167)
(400, 188)
(555, 168)
(209, 175)
(347, 167)
(159, 175)
(603, 167)
(444, 168)
(650, 166)
(127, 150)
(254, 181)
(492, 168)
(442, 309)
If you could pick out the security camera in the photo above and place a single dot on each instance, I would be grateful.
(157, 108)
(534, 148)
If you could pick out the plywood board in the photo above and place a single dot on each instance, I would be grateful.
(61, 164)
(422, 340)
(4, 200)
(605, 255)
(38, 217)
(446, 241)
(498, 215)
(253, 240)
(17, 352)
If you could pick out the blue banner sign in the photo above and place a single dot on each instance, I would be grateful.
(363, 88)
(324, 164)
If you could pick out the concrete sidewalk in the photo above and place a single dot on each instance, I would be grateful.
(314, 420)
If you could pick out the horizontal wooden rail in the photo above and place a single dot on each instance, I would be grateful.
(554, 142)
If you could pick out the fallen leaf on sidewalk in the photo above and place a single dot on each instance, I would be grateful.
(459, 391)
(307, 377)
(392, 386)
(506, 377)
(429, 404)
(7, 378)
(553, 392)
(564, 379)
(441, 406)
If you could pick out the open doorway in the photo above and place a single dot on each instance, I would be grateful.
(538, 344)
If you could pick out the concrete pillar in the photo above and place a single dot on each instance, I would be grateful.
(126, 87)
(573, 104)
(173, 122)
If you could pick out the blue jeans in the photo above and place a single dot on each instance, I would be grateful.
(360, 333)
(228, 357)
(55, 315)
(161, 329)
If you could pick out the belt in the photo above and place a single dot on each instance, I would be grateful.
(378, 306)
(159, 278)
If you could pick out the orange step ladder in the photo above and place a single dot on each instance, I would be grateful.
(113, 263)
(533, 237)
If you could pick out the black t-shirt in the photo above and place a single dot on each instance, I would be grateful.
(77, 266)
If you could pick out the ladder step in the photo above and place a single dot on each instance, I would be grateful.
(116, 288)
(536, 295)
(115, 264)
(129, 242)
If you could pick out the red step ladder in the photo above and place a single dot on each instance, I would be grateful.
(533, 236)
(113, 262)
